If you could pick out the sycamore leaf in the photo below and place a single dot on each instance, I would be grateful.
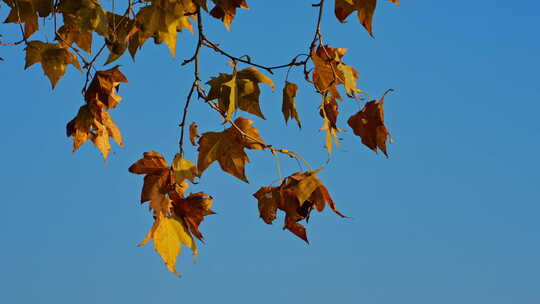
(102, 89)
(297, 196)
(365, 10)
(93, 124)
(289, 106)
(225, 10)
(151, 163)
(238, 90)
(27, 12)
(183, 169)
(169, 234)
(368, 123)
(193, 133)
(53, 58)
(329, 112)
(85, 15)
(330, 71)
(193, 209)
(68, 34)
(162, 20)
(118, 35)
(227, 148)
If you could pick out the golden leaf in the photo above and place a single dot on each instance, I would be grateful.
(53, 57)
(183, 169)
(330, 71)
(227, 148)
(102, 89)
(170, 233)
(238, 90)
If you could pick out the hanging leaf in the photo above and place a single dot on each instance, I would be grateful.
(289, 106)
(368, 123)
(364, 8)
(53, 58)
(225, 10)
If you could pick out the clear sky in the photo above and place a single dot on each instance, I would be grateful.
(450, 217)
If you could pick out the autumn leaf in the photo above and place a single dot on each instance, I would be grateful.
(239, 90)
(151, 163)
(193, 133)
(183, 169)
(102, 89)
(289, 106)
(329, 112)
(368, 123)
(297, 196)
(85, 15)
(330, 71)
(193, 209)
(69, 34)
(27, 12)
(170, 233)
(121, 29)
(365, 10)
(225, 10)
(162, 20)
(227, 148)
(53, 57)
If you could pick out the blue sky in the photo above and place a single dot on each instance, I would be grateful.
(450, 217)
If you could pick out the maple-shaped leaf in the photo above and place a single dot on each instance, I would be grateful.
(330, 71)
(289, 106)
(239, 90)
(85, 15)
(102, 89)
(227, 148)
(329, 112)
(53, 57)
(162, 20)
(297, 196)
(170, 233)
(69, 34)
(193, 133)
(27, 12)
(121, 29)
(225, 10)
(157, 182)
(93, 124)
(184, 169)
(193, 209)
(368, 123)
(365, 10)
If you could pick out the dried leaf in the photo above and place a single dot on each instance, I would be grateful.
(365, 10)
(53, 57)
(289, 106)
(239, 90)
(102, 89)
(368, 123)
(225, 10)
(193, 209)
(193, 133)
(227, 148)
(297, 196)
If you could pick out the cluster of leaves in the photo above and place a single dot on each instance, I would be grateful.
(177, 215)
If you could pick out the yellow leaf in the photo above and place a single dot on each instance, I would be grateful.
(53, 58)
(169, 234)
(183, 169)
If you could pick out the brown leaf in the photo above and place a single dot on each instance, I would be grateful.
(365, 10)
(227, 148)
(289, 106)
(151, 163)
(193, 133)
(102, 89)
(368, 123)
(297, 196)
(225, 10)
(330, 71)
(329, 112)
(53, 57)
(193, 209)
